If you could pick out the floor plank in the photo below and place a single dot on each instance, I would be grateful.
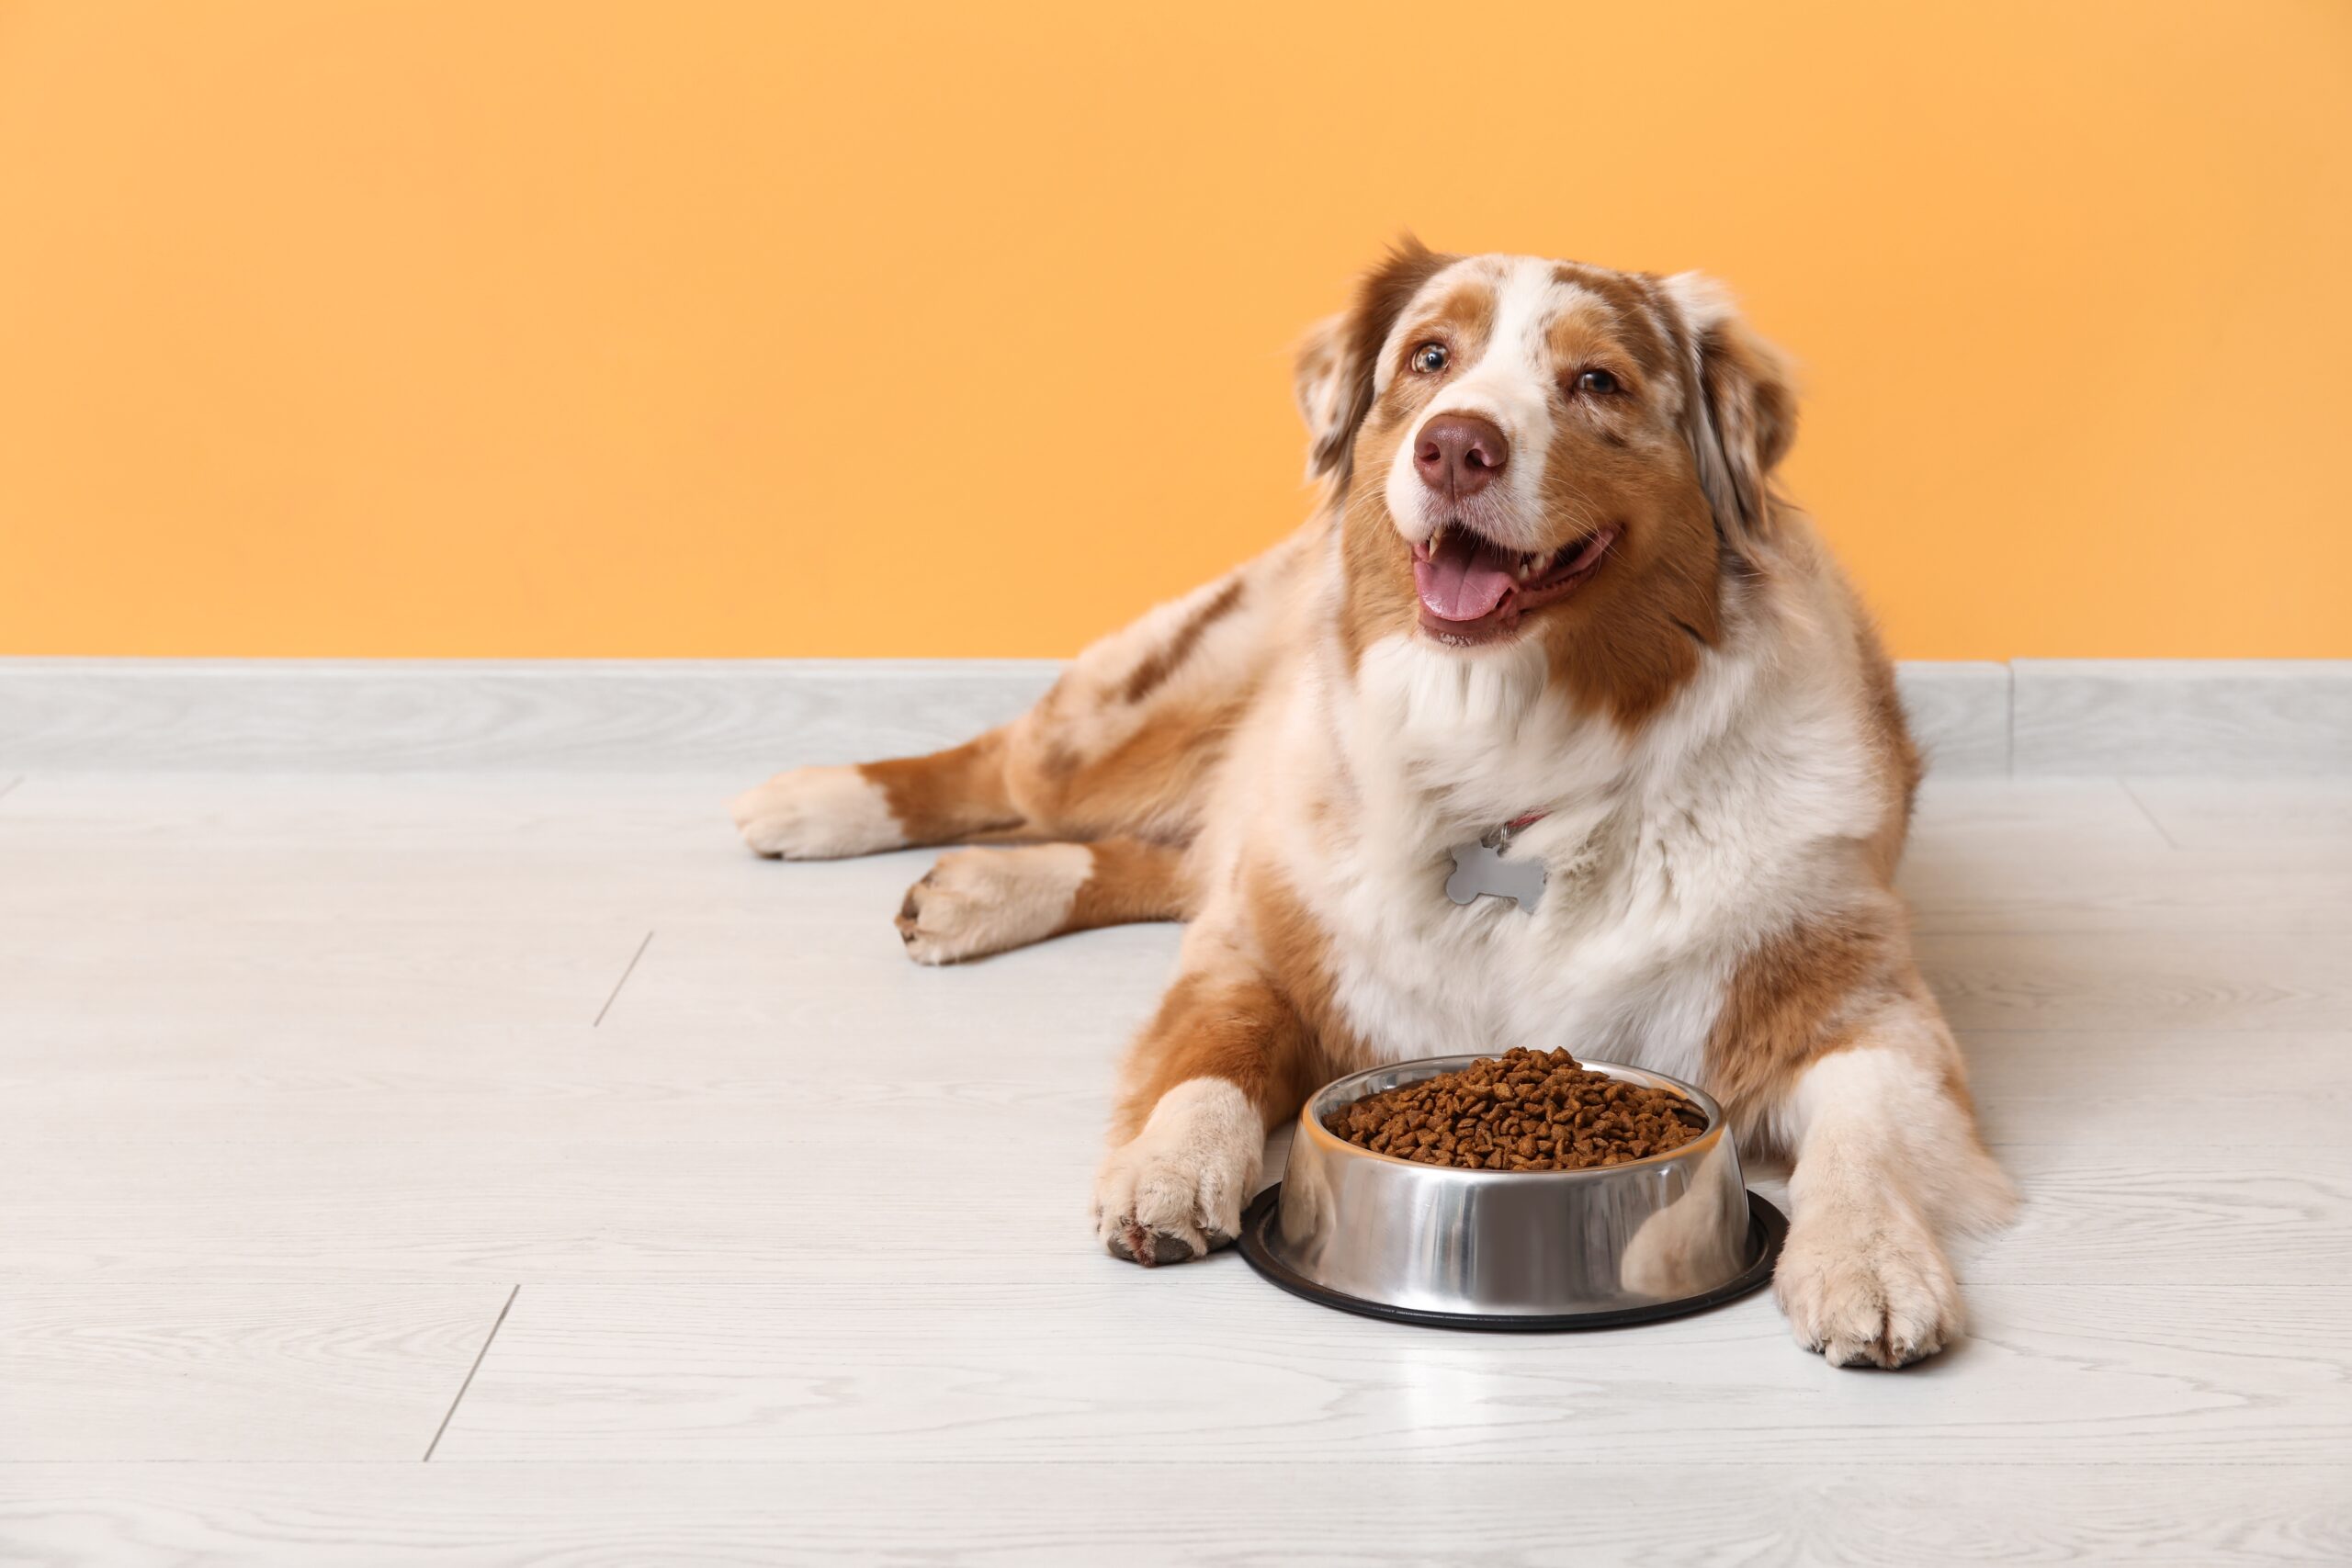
(2171, 1090)
(1211, 1368)
(81, 981)
(2069, 1088)
(2300, 817)
(175, 1368)
(2155, 980)
(1955, 889)
(602, 1183)
(1230, 1515)
(2070, 816)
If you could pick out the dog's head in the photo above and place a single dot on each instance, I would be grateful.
(1529, 448)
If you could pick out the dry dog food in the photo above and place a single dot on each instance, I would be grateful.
(1521, 1111)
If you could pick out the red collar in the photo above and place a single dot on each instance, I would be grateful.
(1499, 837)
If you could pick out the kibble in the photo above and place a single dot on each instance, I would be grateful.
(1521, 1110)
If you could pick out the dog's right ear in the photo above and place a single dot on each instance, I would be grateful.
(1337, 358)
(1319, 382)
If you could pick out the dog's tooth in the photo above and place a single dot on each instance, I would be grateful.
(1436, 537)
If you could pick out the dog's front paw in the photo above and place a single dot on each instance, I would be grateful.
(1175, 1190)
(1868, 1291)
(817, 814)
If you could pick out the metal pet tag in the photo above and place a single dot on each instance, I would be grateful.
(1480, 871)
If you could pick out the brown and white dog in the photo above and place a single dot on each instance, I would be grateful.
(1549, 587)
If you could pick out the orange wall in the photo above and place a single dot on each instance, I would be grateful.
(475, 327)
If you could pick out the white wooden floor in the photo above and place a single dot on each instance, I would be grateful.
(498, 1170)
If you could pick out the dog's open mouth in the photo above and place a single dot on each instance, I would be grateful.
(1473, 590)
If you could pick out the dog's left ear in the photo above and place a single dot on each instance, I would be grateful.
(1742, 412)
(1338, 357)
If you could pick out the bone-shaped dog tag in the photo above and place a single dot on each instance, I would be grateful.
(1480, 870)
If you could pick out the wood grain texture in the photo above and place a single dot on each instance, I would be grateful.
(196, 972)
(444, 1091)
(2267, 821)
(1301, 1513)
(2144, 980)
(175, 1369)
(2182, 716)
(99, 850)
(2179, 1089)
(1994, 891)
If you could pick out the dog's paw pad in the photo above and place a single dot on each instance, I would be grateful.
(1151, 1248)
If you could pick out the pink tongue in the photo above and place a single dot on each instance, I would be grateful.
(1464, 580)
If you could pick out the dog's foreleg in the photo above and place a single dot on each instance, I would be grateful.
(1888, 1163)
(1227, 1057)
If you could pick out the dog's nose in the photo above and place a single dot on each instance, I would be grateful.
(1460, 454)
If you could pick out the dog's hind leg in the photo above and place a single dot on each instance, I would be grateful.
(982, 901)
(1124, 744)
(825, 813)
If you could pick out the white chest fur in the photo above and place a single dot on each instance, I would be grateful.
(1663, 856)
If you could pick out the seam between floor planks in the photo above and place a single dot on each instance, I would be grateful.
(488, 1340)
(2154, 821)
(628, 971)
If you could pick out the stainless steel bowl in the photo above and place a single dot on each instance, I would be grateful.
(1511, 1250)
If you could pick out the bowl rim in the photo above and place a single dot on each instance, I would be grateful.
(1311, 1125)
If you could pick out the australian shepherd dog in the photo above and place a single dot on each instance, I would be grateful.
(1549, 605)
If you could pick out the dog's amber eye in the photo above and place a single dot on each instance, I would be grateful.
(1600, 383)
(1430, 359)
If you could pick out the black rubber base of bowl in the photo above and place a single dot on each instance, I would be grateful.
(1767, 1229)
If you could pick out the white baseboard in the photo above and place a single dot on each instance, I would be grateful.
(2174, 715)
(749, 715)
(368, 716)
(1960, 714)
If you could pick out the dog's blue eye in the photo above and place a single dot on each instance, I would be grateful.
(1597, 381)
(1430, 359)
